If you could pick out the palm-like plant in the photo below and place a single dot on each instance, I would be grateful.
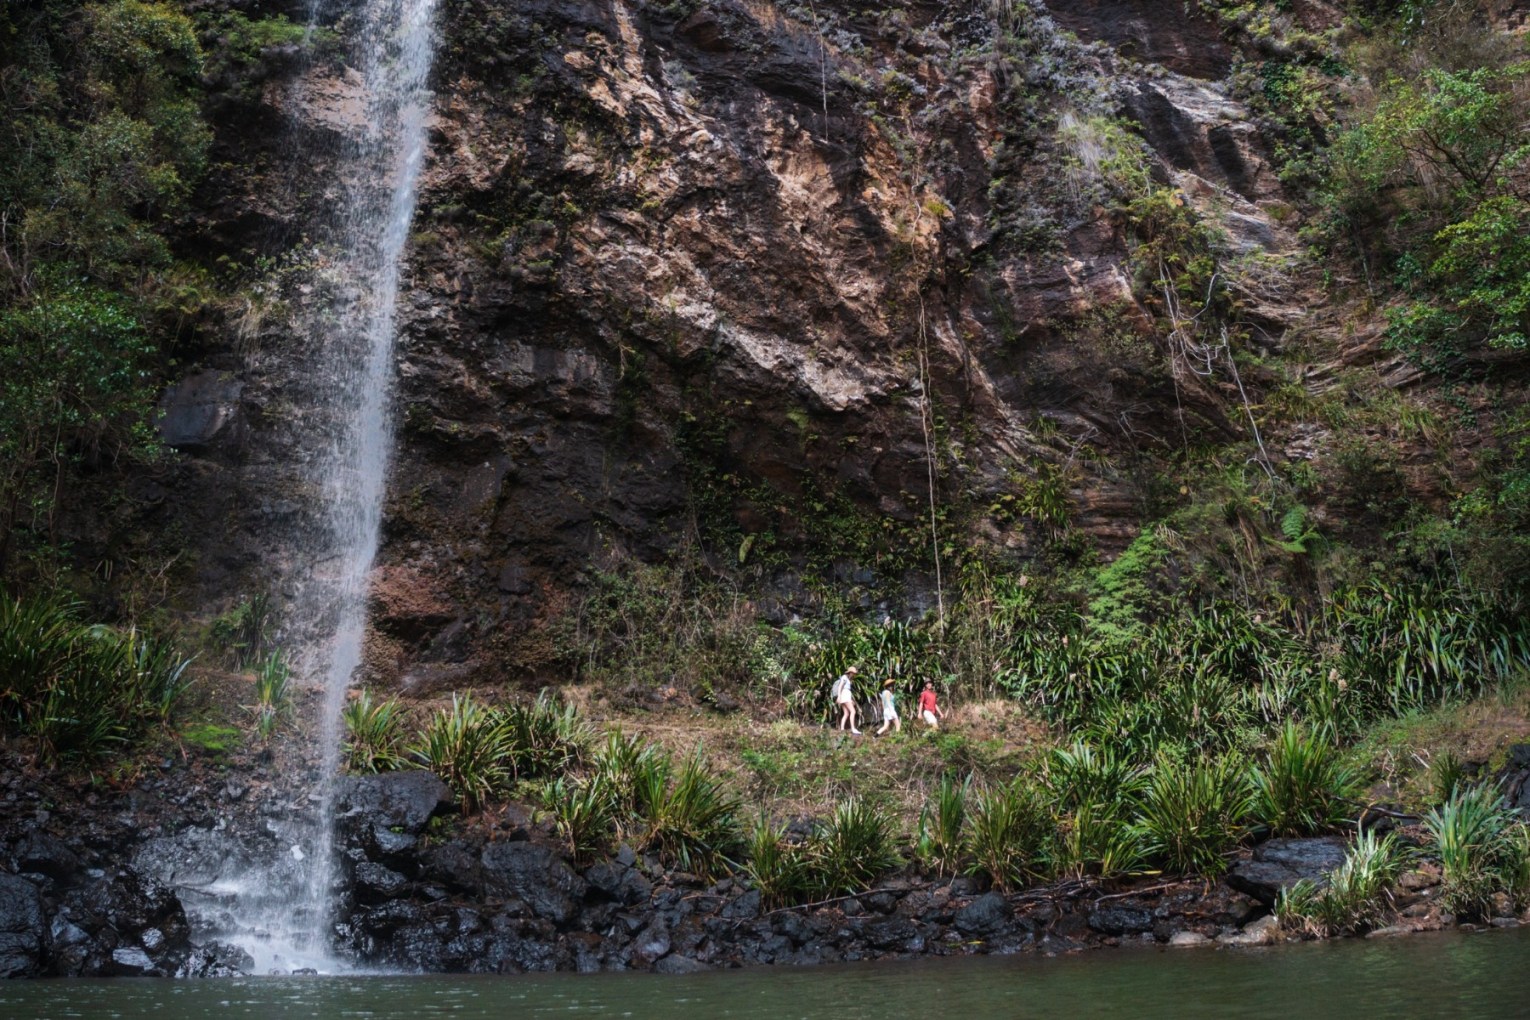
(466, 746)
(1009, 833)
(375, 734)
(1303, 785)
(1192, 816)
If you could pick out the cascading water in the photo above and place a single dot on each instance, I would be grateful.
(280, 911)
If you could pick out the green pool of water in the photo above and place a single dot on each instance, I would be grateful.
(1485, 975)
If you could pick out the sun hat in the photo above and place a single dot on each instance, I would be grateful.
(888, 682)
(852, 669)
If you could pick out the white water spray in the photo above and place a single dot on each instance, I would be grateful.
(282, 912)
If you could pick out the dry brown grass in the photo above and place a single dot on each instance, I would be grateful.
(1480, 732)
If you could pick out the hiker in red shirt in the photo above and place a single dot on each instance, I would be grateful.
(928, 710)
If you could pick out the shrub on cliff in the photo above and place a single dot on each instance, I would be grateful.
(693, 823)
(465, 745)
(81, 689)
(1484, 850)
(1303, 786)
(1192, 815)
(374, 734)
(854, 849)
(1009, 834)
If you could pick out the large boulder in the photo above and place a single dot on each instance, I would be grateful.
(537, 876)
(41, 854)
(23, 929)
(984, 915)
(112, 924)
(1281, 863)
(1514, 779)
(398, 802)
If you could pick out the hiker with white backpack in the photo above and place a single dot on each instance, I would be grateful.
(843, 693)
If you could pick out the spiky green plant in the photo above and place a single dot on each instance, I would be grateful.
(1094, 839)
(273, 694)
(81, 689)
(1356, 896)
(374, 734)
(941, 829)
(466, 746)
(1303, 786)
(1480, 850)
(545, 737)
(1192, 816)
(582, 812)
(778, 868)
(1084, 775)
(242, 635)
(853, 849)
(1446, 772)
(1009, 833)
(694, 824)
(635, 770)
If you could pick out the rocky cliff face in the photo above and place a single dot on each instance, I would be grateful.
(747, 277)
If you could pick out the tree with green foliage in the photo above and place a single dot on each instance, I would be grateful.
(102, 142)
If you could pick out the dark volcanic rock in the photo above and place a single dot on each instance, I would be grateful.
(1281, 863)
(677, 964)
(195, 410)
(42, 854)
(398, 801)
(984, 915)
(378, 884)
(536, 875)
(23, 928)
(1121, 920)
(215, 960)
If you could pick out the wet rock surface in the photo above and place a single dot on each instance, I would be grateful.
(1281, 863)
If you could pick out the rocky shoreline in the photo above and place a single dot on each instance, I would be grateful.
(101, 889)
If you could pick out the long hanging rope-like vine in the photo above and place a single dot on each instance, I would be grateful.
(927, 426)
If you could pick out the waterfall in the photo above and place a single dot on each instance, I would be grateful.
(281, 911)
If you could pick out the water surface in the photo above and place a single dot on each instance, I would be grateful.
(1484, 975)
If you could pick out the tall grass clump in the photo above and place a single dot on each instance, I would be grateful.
(693, 824)
(1483, 848)
(374, 734)
(583, 813)
(1407, 648)
(273, 694)
(1009, 834)
(1357, 894)
(1303, 786)
(465, 745)
(1095, 791)
(242, 636)
(777, 867)
(82, 689)
(635, 772)
(942, 824)
(1192, 815)
(544, 738)
(1446, 772)
(854, 849)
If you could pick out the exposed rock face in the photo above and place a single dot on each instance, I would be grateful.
(88, 923)
(693, 271)
(518, 904)
(23, 931)
(1281, 863)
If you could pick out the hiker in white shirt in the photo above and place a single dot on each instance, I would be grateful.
(844, 697)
